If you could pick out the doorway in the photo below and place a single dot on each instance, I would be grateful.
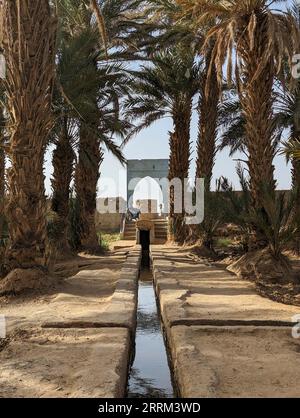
(145, 244)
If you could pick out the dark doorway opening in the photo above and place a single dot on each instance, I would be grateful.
(145, 244)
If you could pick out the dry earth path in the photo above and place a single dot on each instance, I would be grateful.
(75, 341)
(225, 340)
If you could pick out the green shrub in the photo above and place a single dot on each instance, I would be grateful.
(106, 239)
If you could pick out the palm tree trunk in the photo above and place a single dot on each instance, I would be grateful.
(2, 190)
(207, 135)
(296, 190)
(180, 147)
(257, 105)
(86, 180)
(63, 164)
(208, 115)
(29, 45)
(296, 179)
(2, 204)
(256, 100)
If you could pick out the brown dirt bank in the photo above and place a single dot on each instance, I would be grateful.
(73, 340)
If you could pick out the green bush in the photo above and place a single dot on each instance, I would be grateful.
(106, 239)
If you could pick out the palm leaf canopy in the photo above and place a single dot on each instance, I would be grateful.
(232, 122)
(292, 149)
(85, 77)
(164, 88)
(241, 26)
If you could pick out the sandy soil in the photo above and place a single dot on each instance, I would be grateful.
(287, 293)
(74, 298)
(64, 363)
(75, 339)
(191, 290)
(236, 362)
(225, 339)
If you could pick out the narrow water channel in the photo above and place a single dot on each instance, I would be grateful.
(150, 375)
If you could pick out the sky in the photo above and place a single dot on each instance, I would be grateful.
(153, 143)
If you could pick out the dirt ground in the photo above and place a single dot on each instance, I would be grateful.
(64, 363)
(75, 297)
(190, 289)
(75, 339)
(236, 362)
(287, 293)
(225, 339)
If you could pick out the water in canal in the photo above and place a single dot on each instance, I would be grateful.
(150, 376)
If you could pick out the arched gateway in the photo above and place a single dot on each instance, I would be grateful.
(150, 223)
(140, 169)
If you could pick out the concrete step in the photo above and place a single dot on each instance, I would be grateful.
(160, 227)
(130, 229)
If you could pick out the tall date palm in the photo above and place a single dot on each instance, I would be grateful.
(262, 38)
(28, 41)
(88, 99)
(2, 172)
(166, 89)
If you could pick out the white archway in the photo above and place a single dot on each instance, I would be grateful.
(148, 189)
(140, 169)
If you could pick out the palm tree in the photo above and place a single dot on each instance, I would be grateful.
(170, 30)
(63, 166)
(86, 181)
(95, 132)
(31, 26)
(121, 18)
(2, 173)
(293, 149)
(166, 89)
(88, 96)
(287, 108)
(2, 187)
(262, 39)
(231, 124)
(286, 111)
(287, 115)
(278, 228)
(76, 83)
(208, 119)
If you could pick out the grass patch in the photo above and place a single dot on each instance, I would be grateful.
(224, 242)
(106, 240)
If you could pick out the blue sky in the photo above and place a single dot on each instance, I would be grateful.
(152, 143)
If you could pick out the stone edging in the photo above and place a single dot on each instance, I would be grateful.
(121, 313)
